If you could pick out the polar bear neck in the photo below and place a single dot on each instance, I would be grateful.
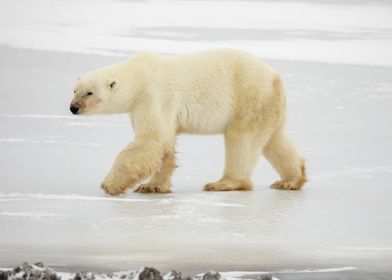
(133, 76)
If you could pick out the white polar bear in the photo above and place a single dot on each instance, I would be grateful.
(219, 91)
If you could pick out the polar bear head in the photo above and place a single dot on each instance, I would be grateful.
(93, 93)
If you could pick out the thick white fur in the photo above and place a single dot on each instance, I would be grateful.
(219, 91)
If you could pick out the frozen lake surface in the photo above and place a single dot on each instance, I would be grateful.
(51, 207)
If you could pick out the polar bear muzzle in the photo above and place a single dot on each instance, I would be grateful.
(74, 109)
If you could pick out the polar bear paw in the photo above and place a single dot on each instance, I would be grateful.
(152, 188)
(228, 185)
(113, 189)
(286, 185)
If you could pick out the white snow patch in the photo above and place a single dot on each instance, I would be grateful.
(234, 275)
(37, 116)
(366, 248)
(40, 140)
(243, 274)
(353, 171)
(96, 124)
(42, 116)
(31, 196)
(31, 215)
(318, 270)
(169, 200)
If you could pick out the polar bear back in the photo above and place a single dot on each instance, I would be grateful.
(211, 86)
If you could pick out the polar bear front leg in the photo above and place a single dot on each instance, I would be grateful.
(137, 161)
(116, 182)
(243, 148)
(160, 182)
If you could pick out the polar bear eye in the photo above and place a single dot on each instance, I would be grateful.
(89, 93)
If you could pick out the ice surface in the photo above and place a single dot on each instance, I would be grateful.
(51, 207)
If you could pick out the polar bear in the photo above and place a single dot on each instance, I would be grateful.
(218, 91)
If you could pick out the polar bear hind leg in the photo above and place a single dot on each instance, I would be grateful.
(282, 155)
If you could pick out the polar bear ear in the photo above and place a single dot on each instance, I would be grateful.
(113, 84)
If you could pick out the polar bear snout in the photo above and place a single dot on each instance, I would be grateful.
(74, 109)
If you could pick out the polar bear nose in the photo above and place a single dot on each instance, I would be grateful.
(74, 109)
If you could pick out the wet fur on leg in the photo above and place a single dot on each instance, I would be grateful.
(160, 182)
(292, 185)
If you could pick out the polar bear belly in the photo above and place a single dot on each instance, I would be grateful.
(203, 119)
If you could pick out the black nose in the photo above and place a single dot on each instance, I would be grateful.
(74, 109)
